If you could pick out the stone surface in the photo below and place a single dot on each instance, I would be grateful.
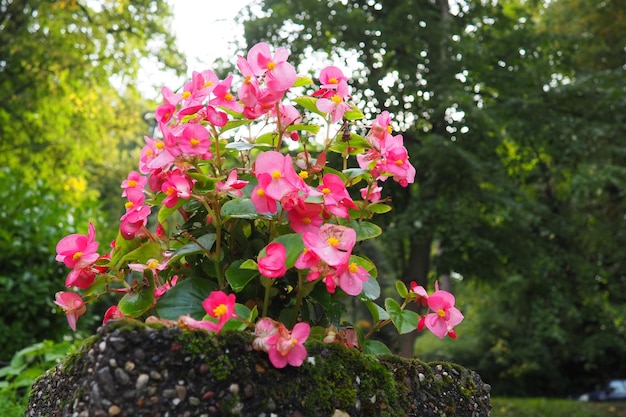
(129, 369)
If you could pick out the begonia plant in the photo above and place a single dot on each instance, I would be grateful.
(235, 219)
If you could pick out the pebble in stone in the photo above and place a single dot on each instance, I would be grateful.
(155, 375)
(194, 401)
(234, 389)
(121, 377)
(105, 380)
(114, 410)
(181, 392)
(142, 382)
(129, 366)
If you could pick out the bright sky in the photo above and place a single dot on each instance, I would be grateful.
(204, 29)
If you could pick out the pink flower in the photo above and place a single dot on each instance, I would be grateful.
(133, 221)
(284, 178)
(73, 306)
(336, 197)
(445, 316)
(224, 98)
(351, 278)
(331, 76)
(371, 193)
(133, 187)
(335, 105)
(279, 74)
(221, 306)
(288, 348)
(249, 90)
(332, 243)
(263, 330)
(112, 313)
(195, 140)
(78, 251)
(188, 322)
(176, 186)
(81, 277)
(232, 185)
(272, 265)
(262, 202)
(162, 289)
(306, 218)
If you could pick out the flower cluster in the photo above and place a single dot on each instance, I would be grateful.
(246, 199)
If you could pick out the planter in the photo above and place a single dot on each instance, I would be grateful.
(130, 369)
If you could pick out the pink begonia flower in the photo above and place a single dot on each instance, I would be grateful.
(195, 140)
(154, 155)
(422, 294)
(330, 77)
(221, 306)
(195, 91)
(177, 185)
(288, 348)
(351, 278)
(162, 289)
(232, 185)
(337, 200)
(224, 98)
(262, 202)
(381, 127)
(215, 117)
(335, 105)
(249, 90)
(73, 306)
(133, 186)
(81, 277)
(372, 194)
(78, 251)
(332, 243)
(280, 75)
(133, 221)
(307, 218)
(284, 178)
(445, 316)
(112, 313)
(263, 330)
(188, 322)
(272, 265)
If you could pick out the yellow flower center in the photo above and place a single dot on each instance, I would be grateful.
(304, 175)
(441, 313)
(336, 99)
(194, 142)
(326, 190)
(276, 175)
(149, 152)
(229, 97)
(389, 129)
(333, 241)
(271, 65)
(260, 192)
(153, 264)
(333, 81)
(170, 191)
(208, 84)
(186, 95)
(77, 256)
(353, 267)
(306, 220)
(220, 310)
(129, 205)
(132, 183)
(248, 80)
(159, 145)
(399, 162)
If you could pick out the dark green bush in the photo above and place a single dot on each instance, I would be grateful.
(33, 217)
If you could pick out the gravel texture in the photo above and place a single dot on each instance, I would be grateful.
(129, 369)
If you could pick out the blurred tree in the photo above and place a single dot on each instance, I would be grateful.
(68, 87)
(518, 144)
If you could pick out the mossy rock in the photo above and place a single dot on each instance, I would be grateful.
(130, 369)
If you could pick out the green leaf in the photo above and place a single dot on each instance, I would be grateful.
(302, 81)
(375, 347)
(365, 230)
(353, 114)
(309, 103)
(122, 247)
(354, 146)
(165, 212)
(404, 320)
(242, 208)
(371, 289)
(135, 304)
(402, 289)
(378, 313)
(147, 250)
(249, 264)
(379, 208)
(185, 297)
(192, 248)
(238, 277)
(301, 127)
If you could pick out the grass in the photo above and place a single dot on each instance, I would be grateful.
(542, 407)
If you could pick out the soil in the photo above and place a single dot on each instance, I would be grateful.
(130, 369)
